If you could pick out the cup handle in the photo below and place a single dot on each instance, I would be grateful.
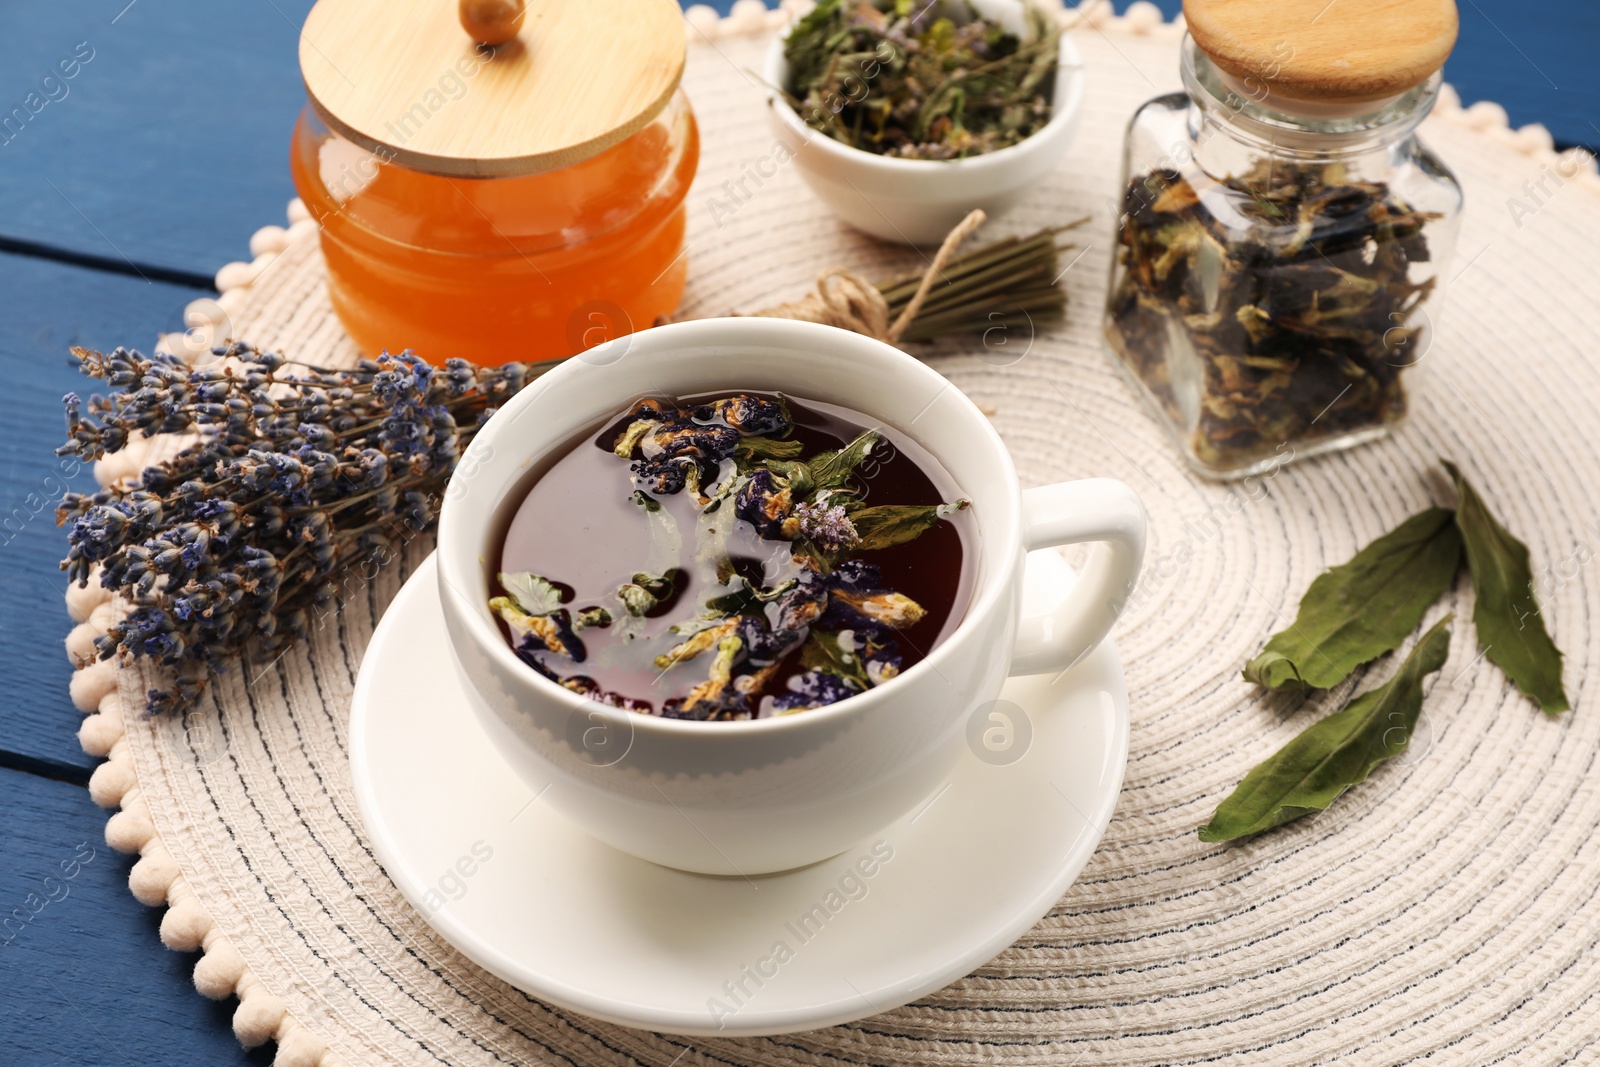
(1103, 510)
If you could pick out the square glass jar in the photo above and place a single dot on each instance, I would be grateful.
(1277, 275)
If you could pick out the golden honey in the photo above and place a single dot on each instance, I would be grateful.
(522, 267)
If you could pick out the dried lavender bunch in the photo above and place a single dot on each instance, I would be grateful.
(232, 547)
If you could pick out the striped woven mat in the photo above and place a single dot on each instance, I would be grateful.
(1446, 909)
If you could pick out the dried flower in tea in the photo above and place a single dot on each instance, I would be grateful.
(1269, 308)
(920, 79)
(769, 607)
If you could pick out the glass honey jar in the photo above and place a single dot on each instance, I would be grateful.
(516, 201)
(1284, 237)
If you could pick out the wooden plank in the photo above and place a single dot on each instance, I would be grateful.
(49, 308)
(169, 144)
(84, 977)
(1537, 60)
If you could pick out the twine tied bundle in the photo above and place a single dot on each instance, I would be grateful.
(845, 299)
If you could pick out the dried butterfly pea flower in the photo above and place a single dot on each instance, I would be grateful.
(684, 448)
(823, 607)
(532, 634)
(809, 690)
(696, 643)
(880, 609)
(750, 415)
(715, 698)
(765, 643)
(801, 606)
(765, 502)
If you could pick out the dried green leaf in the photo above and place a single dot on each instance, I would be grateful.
(658, 587)
(747, 599)
(1340, 751)
(895, 524)
(797, 474)
(629, 438)
(533, 594)
(591, 617)
(640, 596)
(636, 600)
(1355, 612)
(823, 652)
(759, 447)
(1506, 615)
(831, 470)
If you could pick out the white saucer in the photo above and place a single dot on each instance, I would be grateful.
(585, 927)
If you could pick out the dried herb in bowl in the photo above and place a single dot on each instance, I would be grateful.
(921, 79)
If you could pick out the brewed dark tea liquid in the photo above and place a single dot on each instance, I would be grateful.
(734, 556)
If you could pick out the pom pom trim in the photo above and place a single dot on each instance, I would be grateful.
(155, 879)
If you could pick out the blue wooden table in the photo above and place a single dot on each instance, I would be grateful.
(123, 187)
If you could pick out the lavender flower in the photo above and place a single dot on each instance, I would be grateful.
(231, 548)
(826, 525)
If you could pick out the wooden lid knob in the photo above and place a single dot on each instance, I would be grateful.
(1325, 51)
(405, 83)
(491, 22)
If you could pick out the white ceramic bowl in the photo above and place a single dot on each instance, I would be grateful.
(918, 201)
(772, 794)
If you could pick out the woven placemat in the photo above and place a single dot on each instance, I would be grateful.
(1445, 909)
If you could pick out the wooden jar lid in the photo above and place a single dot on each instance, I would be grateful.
(1325, 51)
(406, 82)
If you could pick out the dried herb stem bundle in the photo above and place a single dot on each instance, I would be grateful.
(1360, 610)
(1012, 282)
(920, 79)
(1009, 282)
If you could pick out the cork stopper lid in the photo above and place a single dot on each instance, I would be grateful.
(407, 82)
(1325, 52)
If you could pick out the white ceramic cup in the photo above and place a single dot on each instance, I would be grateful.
(918, 201)
(772, 794)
